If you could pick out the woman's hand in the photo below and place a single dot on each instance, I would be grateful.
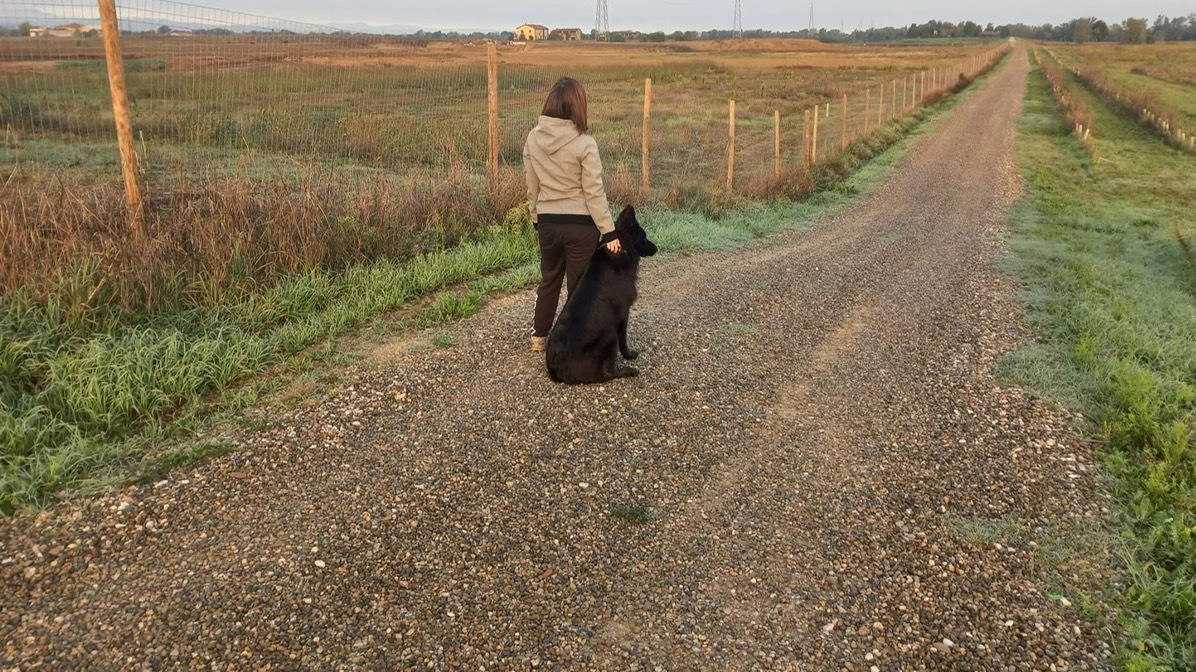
(614, 246)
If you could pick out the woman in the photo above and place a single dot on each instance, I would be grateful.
(568, 201)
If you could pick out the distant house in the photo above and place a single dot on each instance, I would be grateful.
(566, 34)
(531, 32)
(65, 30)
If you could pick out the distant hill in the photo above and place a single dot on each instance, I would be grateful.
(375, 29)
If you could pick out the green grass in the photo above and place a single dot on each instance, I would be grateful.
(101, 66)
(85, 406)
(75, 403)
(633, 514)
(1113, 294)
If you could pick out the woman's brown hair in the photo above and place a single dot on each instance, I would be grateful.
(567, 100)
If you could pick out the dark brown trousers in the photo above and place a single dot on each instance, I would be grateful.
(565, 252)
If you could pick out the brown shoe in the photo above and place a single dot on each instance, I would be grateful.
(539, 343)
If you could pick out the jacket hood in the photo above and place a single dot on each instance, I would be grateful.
(551, 134)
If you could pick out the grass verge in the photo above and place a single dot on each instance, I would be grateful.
(1110, 287)
(84, 407)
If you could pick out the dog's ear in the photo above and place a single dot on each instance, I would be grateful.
(626, 218)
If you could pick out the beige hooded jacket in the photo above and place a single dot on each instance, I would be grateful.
(564, 173)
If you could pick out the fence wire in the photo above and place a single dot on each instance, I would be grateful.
(218, 93)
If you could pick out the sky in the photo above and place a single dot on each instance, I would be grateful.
(672, 15)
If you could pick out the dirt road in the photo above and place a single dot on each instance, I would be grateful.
(832, 481)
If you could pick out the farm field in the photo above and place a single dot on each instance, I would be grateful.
(1164, 74)
(399, 106)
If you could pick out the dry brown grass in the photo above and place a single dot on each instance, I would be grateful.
(623, 187)
(793, 182)
(203, 51)
(197, 244)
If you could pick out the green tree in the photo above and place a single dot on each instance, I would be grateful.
(164, 30)
(1100, 31)
(1135, 31)
(1081, 31)
(24, 29)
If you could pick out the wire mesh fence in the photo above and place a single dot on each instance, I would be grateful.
(210, 87)
(206, 86)
(251, 130)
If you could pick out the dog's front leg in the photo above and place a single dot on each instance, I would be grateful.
(624, 350)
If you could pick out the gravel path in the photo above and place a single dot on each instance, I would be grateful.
(833, 481)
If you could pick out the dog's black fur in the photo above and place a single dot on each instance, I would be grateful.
(591, 330)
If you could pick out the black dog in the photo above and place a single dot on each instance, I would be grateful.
(591, 330)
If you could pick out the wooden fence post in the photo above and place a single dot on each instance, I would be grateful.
(731, 147)
(814, 140)
(880, 105)
(894, 98)
(646, 183)
(905, 92)
(120, 108)
(923, 88)
(492, 112)
(843, 125)
(805, 138)
(867, 110)
(776, 143)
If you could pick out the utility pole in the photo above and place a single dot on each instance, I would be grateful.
(811, 34)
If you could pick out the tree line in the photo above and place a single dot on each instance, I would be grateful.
(1085, 29)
